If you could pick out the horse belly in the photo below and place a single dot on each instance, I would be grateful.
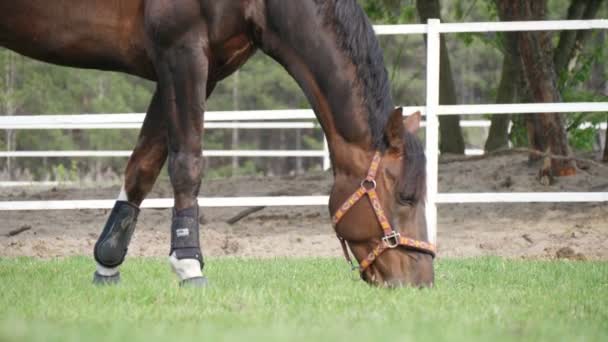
(85, 33)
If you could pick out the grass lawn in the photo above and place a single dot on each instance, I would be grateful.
(488, 299)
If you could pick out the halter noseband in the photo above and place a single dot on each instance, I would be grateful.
(392, 238)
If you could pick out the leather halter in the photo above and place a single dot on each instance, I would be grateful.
(392, 238)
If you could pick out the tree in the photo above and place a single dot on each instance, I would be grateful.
(571, 42)
(9, 102)
(451, 139)
(509, 91)
(546, 131)
(605, 159)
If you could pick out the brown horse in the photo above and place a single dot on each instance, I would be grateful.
(187, 46)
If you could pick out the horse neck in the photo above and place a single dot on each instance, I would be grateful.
(343, 117)
(309, 50)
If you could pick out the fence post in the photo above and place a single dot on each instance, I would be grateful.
(432, 125)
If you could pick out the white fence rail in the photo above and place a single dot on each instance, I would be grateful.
(134, 121)
(233, 120)
(239, 118)
(279, 201)
(433, 29)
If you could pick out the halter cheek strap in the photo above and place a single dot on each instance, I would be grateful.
(391, 238)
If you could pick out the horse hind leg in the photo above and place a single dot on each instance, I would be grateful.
(142, 170)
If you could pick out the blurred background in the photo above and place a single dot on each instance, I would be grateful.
(482, 69)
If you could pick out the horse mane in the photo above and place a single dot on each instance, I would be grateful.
(412, 183)
(357, 39)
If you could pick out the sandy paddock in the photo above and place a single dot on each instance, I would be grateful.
(574, 231)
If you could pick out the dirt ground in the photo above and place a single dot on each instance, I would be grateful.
(547, 231)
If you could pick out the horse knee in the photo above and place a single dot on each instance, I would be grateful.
(141, 173)
(146, 168)
(185, 168)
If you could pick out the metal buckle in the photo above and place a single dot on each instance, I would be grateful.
(393, 240)
(371, 182)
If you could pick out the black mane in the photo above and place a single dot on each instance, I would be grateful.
(357, 39)
(412, 184)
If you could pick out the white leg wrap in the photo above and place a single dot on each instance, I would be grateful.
(185, 268)
(105, 271)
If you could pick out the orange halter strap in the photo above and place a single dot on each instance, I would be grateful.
(392, 238)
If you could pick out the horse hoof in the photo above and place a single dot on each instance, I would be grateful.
(99, 279)
(194, 282)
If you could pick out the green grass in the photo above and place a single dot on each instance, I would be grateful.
(487, 299)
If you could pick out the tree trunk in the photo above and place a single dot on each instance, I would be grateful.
(235, 131)
(567, 38)
(547, 131)
(451, 138)
(298, 143)
(9, 105)
(508, 90)
(605, 159)
(284, 164)
(265, 144)
(571, 42)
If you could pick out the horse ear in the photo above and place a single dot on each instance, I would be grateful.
(412, 122)
(394, 128)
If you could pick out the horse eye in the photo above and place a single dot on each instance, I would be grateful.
(406, 200)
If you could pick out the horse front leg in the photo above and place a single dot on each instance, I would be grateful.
(143, 168)
(183, 69)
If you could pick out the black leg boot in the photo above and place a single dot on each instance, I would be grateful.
(185, 243)
(111, 247)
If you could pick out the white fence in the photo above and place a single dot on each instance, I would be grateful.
(213, 120)
(433, 29)
(134, 121)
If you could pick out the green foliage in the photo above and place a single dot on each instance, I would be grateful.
(312, 299)
(465, 11)
(40, 88)
(582, 139)
(66, 174)
(390, 11)
(573, 88)
(311, 143)
(519, 133)
(246, 168)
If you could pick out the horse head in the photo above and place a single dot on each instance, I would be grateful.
(387, 231)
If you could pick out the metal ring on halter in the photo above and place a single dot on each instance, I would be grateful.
(372, 182)
(393, 240)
